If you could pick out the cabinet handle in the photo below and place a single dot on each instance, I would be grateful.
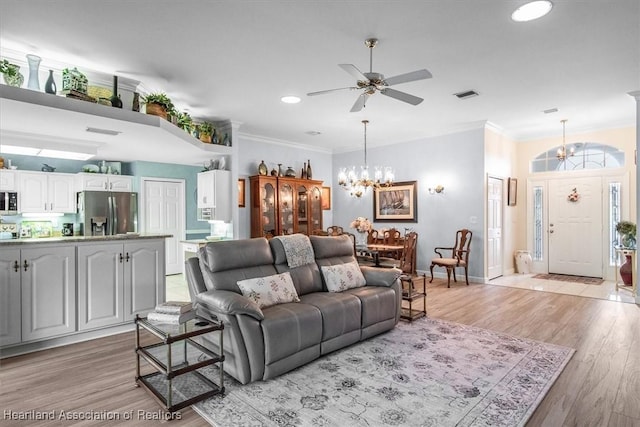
(121, 258)
(16, 266)
(26, 265)
(127, 257)
(111, 186)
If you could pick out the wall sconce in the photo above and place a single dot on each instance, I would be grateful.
(439, 189)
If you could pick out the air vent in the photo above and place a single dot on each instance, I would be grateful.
(103, 131)
(466, 94)
(313, 133)
(550, 110)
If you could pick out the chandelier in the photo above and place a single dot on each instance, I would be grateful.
(562, 152)
(358, 184)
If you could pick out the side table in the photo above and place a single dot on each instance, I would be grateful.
(410, 295)
(176, 381)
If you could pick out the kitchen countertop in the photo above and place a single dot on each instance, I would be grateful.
(204, 241)
(77, 239)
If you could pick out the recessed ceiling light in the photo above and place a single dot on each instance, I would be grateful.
(532, 10)
(290, 99)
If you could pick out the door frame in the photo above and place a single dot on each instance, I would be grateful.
(607, 176)
(142, 208)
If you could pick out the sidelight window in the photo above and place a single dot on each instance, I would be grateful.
(538, 225)
(614, 218)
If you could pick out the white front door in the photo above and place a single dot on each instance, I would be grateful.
(575, 227)
(494, 227)
(164, 208)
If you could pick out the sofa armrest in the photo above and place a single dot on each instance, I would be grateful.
(229, 303)
(375, 276)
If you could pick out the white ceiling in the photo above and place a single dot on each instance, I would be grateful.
(234, 59)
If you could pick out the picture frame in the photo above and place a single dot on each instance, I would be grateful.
(397, 202)
(326, 198)
(241, 192)
(512, 191)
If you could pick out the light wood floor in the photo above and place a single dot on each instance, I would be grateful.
(599, 387)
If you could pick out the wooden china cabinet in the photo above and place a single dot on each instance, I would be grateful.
(281, 205)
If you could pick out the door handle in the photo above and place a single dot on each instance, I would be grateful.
(121, 258)
(550, 231)
(26, 265)
(126, 258)
(551, 225)
(16, 266)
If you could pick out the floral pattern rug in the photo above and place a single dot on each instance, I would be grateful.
(427, 373)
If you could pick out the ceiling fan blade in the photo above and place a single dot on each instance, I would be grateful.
(402, 96)
(353, 70)
(322, 92)
(408, 77)
(359, 104)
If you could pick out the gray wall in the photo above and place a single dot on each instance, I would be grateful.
(454, 161)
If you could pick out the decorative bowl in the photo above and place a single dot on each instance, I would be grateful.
(90, 168)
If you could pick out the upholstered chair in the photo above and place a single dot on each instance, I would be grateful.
(458, 257)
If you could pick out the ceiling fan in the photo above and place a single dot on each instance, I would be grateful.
(370, 83)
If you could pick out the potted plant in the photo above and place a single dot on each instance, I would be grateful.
(11, 73)
(205, 130)
(158, 104)
(185, 122)
(627, 231)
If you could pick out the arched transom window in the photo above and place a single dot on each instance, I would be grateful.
(586, 155)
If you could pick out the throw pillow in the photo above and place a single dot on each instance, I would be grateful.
(341, 277)
(270, 290)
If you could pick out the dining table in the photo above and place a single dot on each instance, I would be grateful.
(374, 249)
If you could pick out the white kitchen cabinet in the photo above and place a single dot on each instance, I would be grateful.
(48, 283)
(116, 281)
(46, 192)
(103, 182)
(214, 195)
(8, 180)
(10, 321)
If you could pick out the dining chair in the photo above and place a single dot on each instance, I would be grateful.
(409, 278)
(392, 237)
(459, 256)
(335, 230)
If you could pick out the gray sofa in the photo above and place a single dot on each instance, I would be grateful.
(262, 343)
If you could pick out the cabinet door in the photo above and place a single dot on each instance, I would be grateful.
(286, 207)
(144, 277)
(33, 191)
(93, 182)
(61, 194)
(206, 189)
(222, 194)
(100, 285)
(120, 183)
(48, 278)
(315, 208)
(10, 321)
(302, 210)
(7, 180)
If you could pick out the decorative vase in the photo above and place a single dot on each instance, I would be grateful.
(290, 172)
(16, 79)
(34, 66)
(626, 271)
(136, 102)
(362, 239)
(629, 241)
(309, 174)
(206, 138)
(157, 110)
(303, 174)
(262, 168)
(115, 98)
(50, 84)
(280, 170)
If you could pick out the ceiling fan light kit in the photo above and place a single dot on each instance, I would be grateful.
(371, 82)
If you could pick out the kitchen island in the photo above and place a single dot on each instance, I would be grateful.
(59, 290)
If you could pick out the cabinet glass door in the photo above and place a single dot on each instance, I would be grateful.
(302, 217)
(286, 209)
(315, 207)
(267, 198)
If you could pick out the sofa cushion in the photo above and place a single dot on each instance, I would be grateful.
(290, 328)
(224, 263)
(378, 304)
(341, 312)
(341, 277)
(270, 290)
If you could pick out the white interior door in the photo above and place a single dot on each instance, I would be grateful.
(494, 227)
(164, 208)
(575, 228)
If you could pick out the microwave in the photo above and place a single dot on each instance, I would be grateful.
(8, 202)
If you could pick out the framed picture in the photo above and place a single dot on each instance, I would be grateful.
(326, 198)
(241, 192)
(512, 192)
(397, 202)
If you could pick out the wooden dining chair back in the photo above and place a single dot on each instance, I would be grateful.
(319, 232)
(408, 257)
(458, 257)
(391, 237)
(372, 237)
(335, 230)
(410, 280)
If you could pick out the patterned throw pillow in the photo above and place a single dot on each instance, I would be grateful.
(270, 290)
(341, 277)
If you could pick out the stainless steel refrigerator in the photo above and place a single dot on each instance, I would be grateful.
(104, 213)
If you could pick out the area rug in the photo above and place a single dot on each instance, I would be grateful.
(568, 278)
(427, 373)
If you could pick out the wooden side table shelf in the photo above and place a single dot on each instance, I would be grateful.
(411, 295)
(177, 359)
(621, 255)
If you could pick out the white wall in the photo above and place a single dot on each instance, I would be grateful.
(454, 161)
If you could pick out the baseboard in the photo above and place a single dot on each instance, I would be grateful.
(23, 348)
(443, 275)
